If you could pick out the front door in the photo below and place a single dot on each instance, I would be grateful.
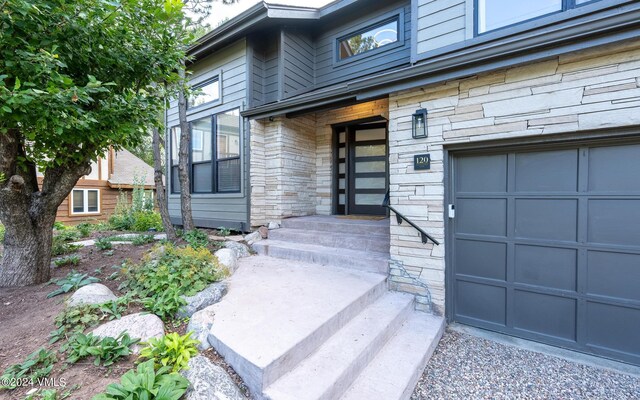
(361, 178)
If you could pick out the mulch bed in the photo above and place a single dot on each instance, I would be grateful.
(27, 318)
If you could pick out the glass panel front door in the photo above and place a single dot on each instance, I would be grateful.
(362, 169)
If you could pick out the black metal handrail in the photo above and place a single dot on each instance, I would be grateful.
(399, 217)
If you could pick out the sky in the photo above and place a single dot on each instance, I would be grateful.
(221, 11)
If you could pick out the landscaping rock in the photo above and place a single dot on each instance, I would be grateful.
(228, 259)
(264, 232)
(273, 225)
(209, 296)
(253, 237)
(241, 249)
(200, 324)
(95, 293)
(209, 382)
(141, 326)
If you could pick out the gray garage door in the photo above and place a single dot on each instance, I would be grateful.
(547, 246)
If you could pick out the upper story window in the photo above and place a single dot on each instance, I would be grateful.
(370, 38)
(496, 14)
(207, 92)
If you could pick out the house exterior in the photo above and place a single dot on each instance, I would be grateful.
(526, 174)
(95, 196)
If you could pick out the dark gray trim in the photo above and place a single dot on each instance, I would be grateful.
(414, 31)
(213, 223)
(247, 169)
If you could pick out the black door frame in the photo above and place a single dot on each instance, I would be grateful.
(349, 128)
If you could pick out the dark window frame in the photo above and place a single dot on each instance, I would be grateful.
(566, 5)
(213, 118)
(215, 78)
(397, 15)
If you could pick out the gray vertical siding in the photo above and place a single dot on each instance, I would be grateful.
(298, 62)
(214, 210)
(440, 23)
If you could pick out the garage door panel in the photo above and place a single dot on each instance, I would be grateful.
(614, 221)
(545, 314)
(482, 259)
(615, 275)
(614, 168)
(548, 219)
(614, 328)
(547, 171)
(482, 216)
(482, 302)
(546, 266)
(482, 174)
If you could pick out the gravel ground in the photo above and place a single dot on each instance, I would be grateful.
(468, 367)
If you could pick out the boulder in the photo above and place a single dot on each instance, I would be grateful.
(264, 232)
(95, 293)
(210, 382)
(209, 296)
(140, 326)
(241, 249)
(253, 237)
(200, 324)
(273, 225)
(228, 259)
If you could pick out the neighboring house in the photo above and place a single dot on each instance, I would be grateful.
(95, 196)
(532, 140)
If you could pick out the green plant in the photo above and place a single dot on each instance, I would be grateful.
(222, 231)
(59, 226)
(106, 350)
(68, 260)
(168, 272)
(37, 365)
(196, 238)
(68, 235)
(140, 240)
(84, 228)
(59, 248)
(77, 319)
(146, 220)
(2, 232)
(74, 280)
(147, 383)
(103, 244)
(171, 350)
(48, 394)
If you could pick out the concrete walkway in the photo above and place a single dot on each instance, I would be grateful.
(283, 319)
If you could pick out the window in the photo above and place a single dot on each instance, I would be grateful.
(214, 164)
(85, 201)
(207, 92)
(371, 38)
(496, 14)
(174, 138)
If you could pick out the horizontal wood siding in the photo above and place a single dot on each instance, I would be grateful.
(329, 71)
(108, 201)
(440, 23)
(231, 64)
(298, 54)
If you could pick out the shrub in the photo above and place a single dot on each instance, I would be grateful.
(69, 260)
(196, 238)
(103, 244)
(37, 365)
(140, 240)
(145, 220)
(168, 272)
(74, 280)
(59, 226)
(105, 351)
(171, 350)
(67, 235)
(146, 383)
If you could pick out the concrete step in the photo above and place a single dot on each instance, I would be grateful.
(395, 371)
(338, 225)
(278, 313)
(329, 372)
(368, 261)
(365, 242)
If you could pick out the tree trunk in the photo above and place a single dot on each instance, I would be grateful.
(160, 189)
(28, 212)
(183, 156)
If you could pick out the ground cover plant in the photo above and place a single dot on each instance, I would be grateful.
(73, 281)
(106, 350)
(171, 350)
(37, 365)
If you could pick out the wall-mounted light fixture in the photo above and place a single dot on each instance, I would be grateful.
(419, 124)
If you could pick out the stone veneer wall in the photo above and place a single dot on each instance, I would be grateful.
(585, 90)
(283, 176)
